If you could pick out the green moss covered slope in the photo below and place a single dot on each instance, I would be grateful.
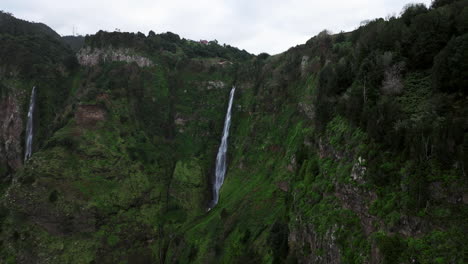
(349, 148)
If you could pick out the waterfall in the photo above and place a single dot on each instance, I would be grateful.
(30, 126)
(221, 157)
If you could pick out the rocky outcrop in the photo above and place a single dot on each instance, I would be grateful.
(310, 247)
(11, 127)
(90, 115)
(92, 57)
(358, 200)
(304, 65)
(308, 109)
(215, 85)
(45, 207)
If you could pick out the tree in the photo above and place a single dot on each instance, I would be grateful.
(410, 11)
(370, 76)
(429, 32)
(392, 83)
(440, 3)
(462, 21)
(344, 74)
(451, 66)
(263, 56)
(340, 37)
(328, 80)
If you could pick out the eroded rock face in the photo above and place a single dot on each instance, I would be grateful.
(283, 185)
(91, 57)
(304, 65)
(308, 109)
(38, 206)
(357, 200)
(11, 126)
(215, 85)
(90, 115)
(322, 249)
(359, 170)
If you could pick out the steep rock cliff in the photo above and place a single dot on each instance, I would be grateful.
(11, 131)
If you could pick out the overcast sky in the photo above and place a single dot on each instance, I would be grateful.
(257, 26)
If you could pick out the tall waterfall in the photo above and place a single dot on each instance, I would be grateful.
(30, 126)
(221, 157)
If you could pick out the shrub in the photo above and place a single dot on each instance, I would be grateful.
(392, 248)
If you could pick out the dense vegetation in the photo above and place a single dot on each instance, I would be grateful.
(14, 26)
(401, 81)
(347, 149)
(75, 42)
(169, 42)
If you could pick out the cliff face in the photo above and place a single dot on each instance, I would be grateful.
(11, 131)
(91, 57)
(342, 150)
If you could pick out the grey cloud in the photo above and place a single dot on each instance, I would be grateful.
(258, 26)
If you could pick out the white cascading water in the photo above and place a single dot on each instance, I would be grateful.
(30, 126)
(221, 157)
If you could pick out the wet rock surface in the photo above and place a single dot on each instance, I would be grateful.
(11, 129)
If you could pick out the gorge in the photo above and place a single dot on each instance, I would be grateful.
(349, 148)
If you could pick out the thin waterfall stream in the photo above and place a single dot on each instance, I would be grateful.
(222, 151)
(30, 126)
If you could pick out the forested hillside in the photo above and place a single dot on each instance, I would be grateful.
(350, 148)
